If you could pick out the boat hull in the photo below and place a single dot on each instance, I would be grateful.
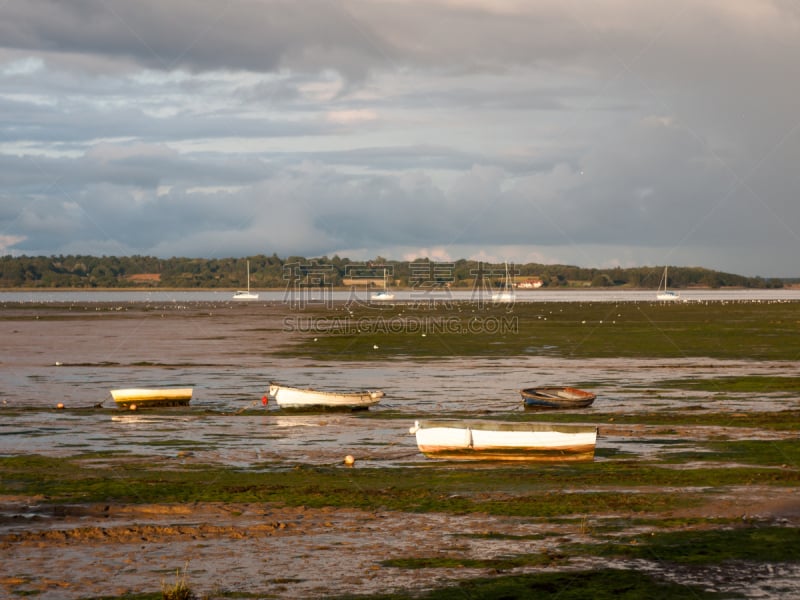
(488, 440)
(149, 397)
(297, 398)
(245, 296)
(503, 297)
(556, 397)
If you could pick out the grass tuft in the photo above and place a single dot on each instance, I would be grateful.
(179, 590)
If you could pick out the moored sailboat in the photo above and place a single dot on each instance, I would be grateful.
(506, 294)
(246, 295)
(664, 293)
(384, 294)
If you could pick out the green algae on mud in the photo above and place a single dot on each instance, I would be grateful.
(601, 584)
(739, 542)
(758, 384)
(724, 330)
(753, 452)
(541, 491)
(448, 562)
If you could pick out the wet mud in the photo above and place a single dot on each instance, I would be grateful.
(75, 354)
(80, 551)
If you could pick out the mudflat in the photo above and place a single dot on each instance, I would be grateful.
(242, 498)
(269, 550)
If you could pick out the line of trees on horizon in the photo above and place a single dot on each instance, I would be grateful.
(275, 272)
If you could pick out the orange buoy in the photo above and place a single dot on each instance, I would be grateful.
(264, 400)
(349, 460)
(60, 405)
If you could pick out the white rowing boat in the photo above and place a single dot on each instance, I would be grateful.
(497, 440)
(290, 397)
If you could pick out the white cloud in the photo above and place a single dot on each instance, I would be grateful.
(22, 66)
(8, 241)
(436, 254)
(105, 152)
(351, 116)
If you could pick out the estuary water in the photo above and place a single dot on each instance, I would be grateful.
(315, 296)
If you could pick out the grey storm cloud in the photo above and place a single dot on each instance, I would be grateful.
(643, 132)
(197, 35)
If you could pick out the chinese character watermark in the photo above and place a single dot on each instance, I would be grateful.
(431, 281)
(484, 289)
(308, 284)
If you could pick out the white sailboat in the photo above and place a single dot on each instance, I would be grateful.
(664, 293)
(384, 294)
(248, 295)
(507, 293)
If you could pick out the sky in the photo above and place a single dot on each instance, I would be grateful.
(599, 134)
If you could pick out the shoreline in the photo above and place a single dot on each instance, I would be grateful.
(342, 289)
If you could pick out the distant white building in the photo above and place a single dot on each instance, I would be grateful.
(530, 284)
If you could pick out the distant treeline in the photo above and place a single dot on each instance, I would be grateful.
(275, 272)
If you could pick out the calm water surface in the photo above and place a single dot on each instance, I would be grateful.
(587, 295)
